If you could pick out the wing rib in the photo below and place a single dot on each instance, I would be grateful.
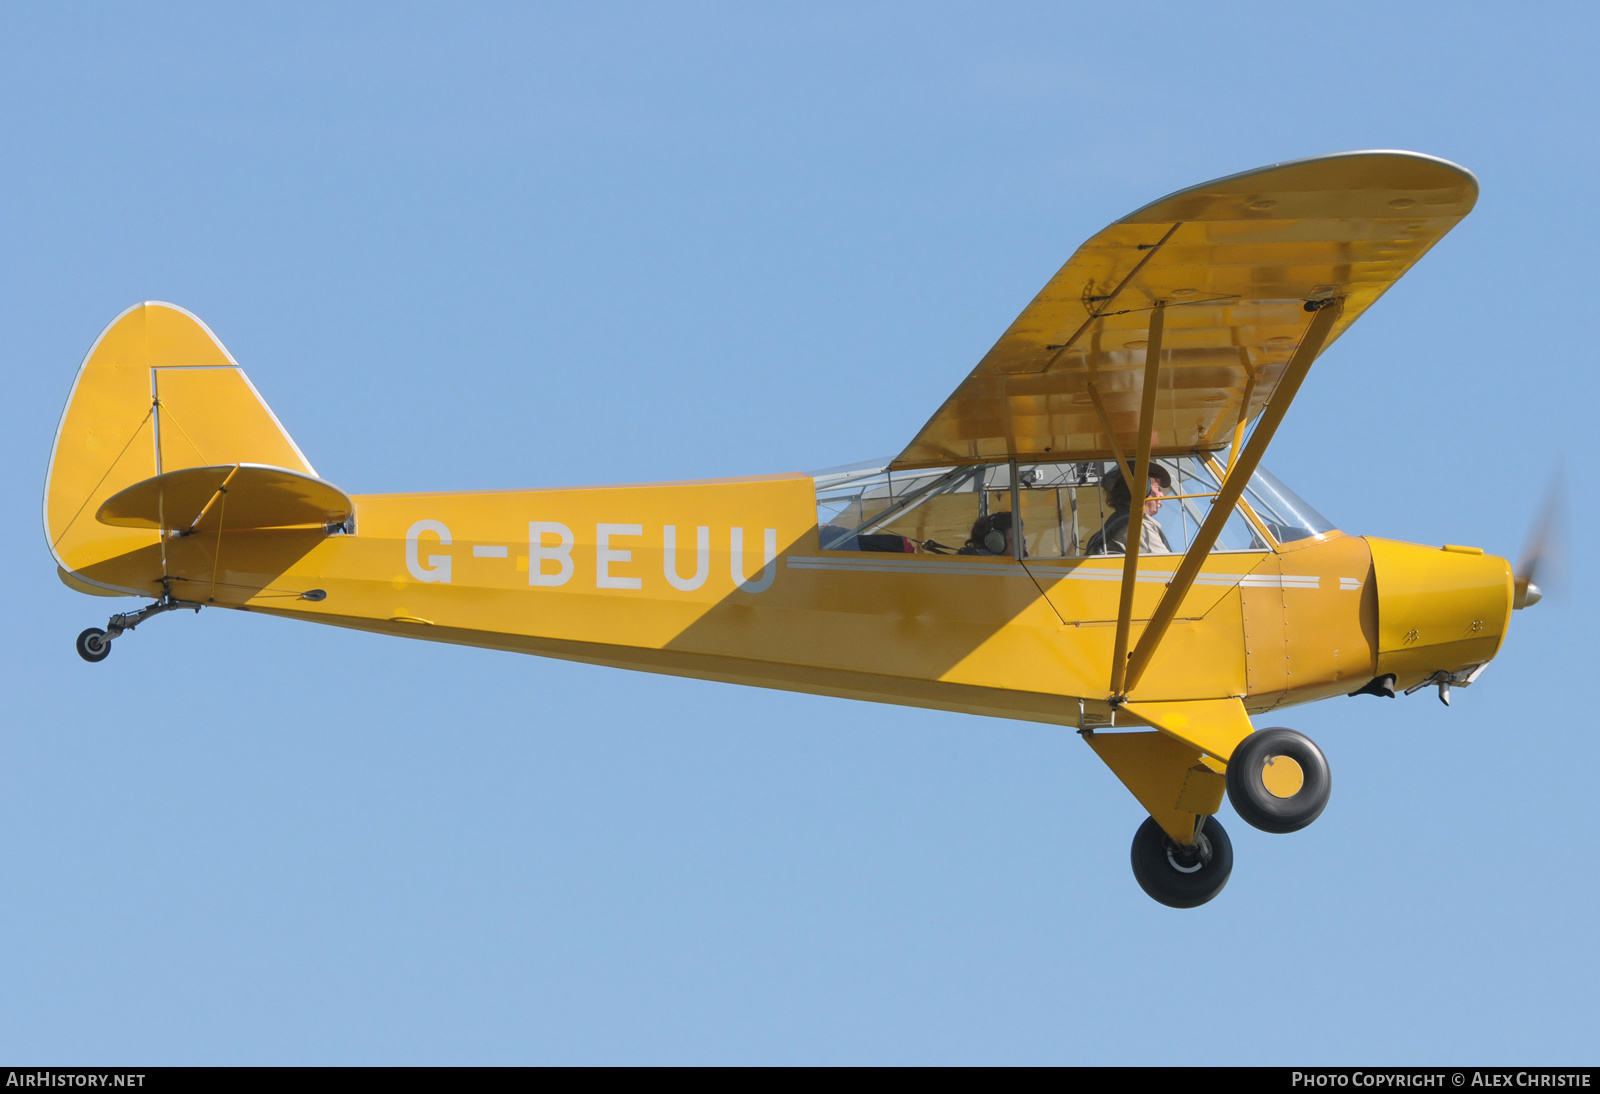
(1105, 424)
(1150, 251)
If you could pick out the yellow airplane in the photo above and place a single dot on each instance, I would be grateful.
(996, 566)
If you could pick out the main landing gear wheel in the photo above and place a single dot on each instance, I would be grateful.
(1182, 877)
(1278, 780)
(93, 645)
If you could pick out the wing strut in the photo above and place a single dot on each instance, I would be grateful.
(1244, 420)
(1138, 488)
(1327, 314)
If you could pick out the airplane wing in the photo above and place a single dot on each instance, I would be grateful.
(1235, 263)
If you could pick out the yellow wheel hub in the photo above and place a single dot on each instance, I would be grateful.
(1282, 777)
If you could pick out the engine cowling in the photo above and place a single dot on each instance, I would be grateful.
(1439, 608)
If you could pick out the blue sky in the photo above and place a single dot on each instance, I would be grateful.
(504, 246)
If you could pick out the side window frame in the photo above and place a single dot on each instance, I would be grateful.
(982, 480)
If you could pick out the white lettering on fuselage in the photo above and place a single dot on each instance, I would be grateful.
(539, 554)
(438, 567)
(669, 558)
(769, 568)
(605, 555)
(550, 561)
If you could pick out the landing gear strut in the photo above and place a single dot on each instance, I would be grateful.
(1182, 877)
(94, 644)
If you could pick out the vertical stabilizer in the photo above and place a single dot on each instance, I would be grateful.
(156, 393)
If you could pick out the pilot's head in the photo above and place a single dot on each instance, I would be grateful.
(1120, 498)
(992, 533)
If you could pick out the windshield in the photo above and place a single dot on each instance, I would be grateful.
(1284, 512)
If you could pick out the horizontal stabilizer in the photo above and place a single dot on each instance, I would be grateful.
(236, 497)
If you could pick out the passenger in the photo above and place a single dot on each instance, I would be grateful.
(1113, 538)
(991, 535)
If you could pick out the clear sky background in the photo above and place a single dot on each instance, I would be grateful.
(479, 246)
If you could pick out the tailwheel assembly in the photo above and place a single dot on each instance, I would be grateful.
(94, 644)
(1182, 877)
(1278, 780)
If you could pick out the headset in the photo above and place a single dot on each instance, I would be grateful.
(994, 540)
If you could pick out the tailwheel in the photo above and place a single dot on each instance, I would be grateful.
(1278, 780)
(93, 645)
(1182, 877)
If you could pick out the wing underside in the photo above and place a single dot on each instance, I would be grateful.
(1233, 264)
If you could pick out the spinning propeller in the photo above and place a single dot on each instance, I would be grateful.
(1541, 551)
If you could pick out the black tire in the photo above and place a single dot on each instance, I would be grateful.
(1178, 879)
(93, 645)
(1259, 806)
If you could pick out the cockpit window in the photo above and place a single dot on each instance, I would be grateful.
(1285, 514)
(1066, 508)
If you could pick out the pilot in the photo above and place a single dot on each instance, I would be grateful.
(1113, 538)
(991, 535)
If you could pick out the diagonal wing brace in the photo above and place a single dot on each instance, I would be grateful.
(1138, 488)
(1326, 314)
